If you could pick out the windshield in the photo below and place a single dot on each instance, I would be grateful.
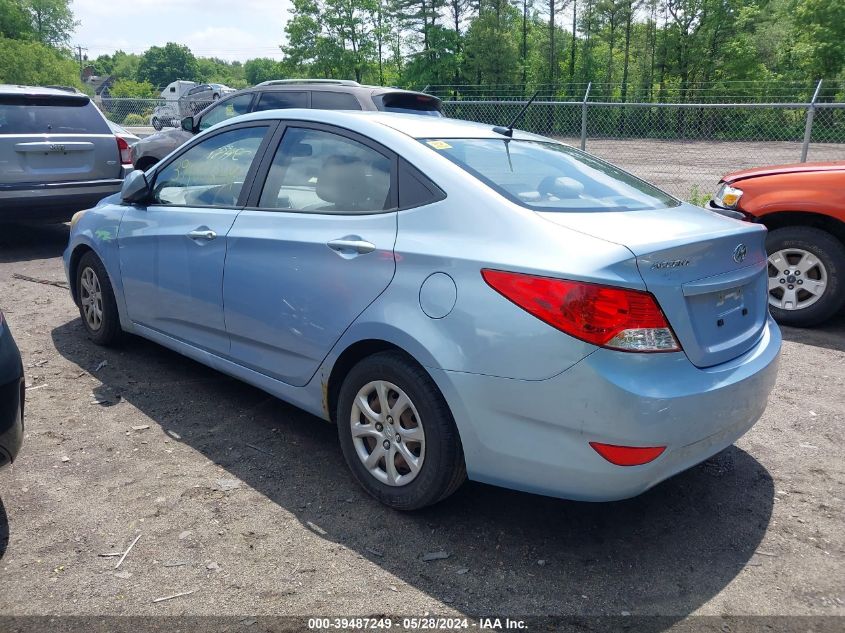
(548, 176)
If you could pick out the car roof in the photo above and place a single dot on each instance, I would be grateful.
(11, 89)
(413, 125)
(330, 85)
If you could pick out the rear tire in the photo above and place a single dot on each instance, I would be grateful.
(791, 245)
(431, 438)
(95, 298)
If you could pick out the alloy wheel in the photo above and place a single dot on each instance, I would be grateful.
(387, 433)
(91, 298)
(797, 279)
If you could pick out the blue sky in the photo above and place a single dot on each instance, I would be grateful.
(229, 29)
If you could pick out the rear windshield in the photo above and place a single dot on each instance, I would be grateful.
(45, 117)
(548, 176)
(409, 103)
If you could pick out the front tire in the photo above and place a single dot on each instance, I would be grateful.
(95, 298)
(157, 124)
(806, 265)
(397, 433)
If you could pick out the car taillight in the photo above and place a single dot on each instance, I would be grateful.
(125, 150)
(617, 318)
(628, 455)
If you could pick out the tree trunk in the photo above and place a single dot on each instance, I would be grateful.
(524, 42)
(552, 56)
(574, 41)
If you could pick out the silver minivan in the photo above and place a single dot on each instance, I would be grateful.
(57, 154)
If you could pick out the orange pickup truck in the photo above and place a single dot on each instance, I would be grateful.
(803, 206)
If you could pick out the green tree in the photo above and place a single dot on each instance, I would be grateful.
(15, 21)
(123, 88)
(162, 64)
(33, 63)
(52, 20)
(820, 33)
(262, 69)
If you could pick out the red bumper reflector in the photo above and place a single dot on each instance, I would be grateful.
(628, 455)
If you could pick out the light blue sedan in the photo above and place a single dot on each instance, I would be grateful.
(460, 300)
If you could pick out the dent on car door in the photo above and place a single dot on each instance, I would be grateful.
(312, 253)
(172, 250)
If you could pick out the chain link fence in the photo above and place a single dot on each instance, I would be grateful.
(144, 116)
(683, 147)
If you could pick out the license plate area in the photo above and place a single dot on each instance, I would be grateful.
(729, 317)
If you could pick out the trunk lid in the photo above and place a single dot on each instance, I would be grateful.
(54, 138)
(708, 273)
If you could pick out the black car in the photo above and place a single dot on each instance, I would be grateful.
(11, 396)
(320, 94)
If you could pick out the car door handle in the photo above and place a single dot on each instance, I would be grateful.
(348, 244)
(202, 234)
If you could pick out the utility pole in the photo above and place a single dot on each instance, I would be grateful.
(79, 50)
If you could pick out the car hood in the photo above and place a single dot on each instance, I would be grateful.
(774, 170)
(175, 135)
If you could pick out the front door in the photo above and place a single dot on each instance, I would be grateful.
(312, 253)
(172, 250)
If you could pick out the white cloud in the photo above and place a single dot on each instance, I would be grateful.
(229, 29)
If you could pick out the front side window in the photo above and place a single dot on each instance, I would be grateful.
(226, 110)
(547, 176)
(212, 172)
(322, 172)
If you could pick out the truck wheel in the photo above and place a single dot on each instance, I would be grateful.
(806, 265)
(156, 124)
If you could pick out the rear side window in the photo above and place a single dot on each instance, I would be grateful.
(334, 101)
(409, 103)
(280, 100)
(415, 190)
(320, 172)
(45, 117)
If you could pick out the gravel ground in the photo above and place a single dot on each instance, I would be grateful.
(687, 168)
(247, 502)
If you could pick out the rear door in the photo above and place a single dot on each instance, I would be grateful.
(55, 138)
(311, 251)
(172, 250)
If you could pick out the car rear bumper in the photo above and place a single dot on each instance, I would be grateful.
(534, 435)
(53, 201)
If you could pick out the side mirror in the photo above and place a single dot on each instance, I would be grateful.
(188, 124)
(135, 187)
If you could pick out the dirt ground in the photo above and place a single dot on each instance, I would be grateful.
(246, 501)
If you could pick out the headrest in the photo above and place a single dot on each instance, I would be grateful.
(343, 182)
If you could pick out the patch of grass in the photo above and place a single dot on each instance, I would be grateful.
(698, 198)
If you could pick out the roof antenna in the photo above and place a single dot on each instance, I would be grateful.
(508, 131)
